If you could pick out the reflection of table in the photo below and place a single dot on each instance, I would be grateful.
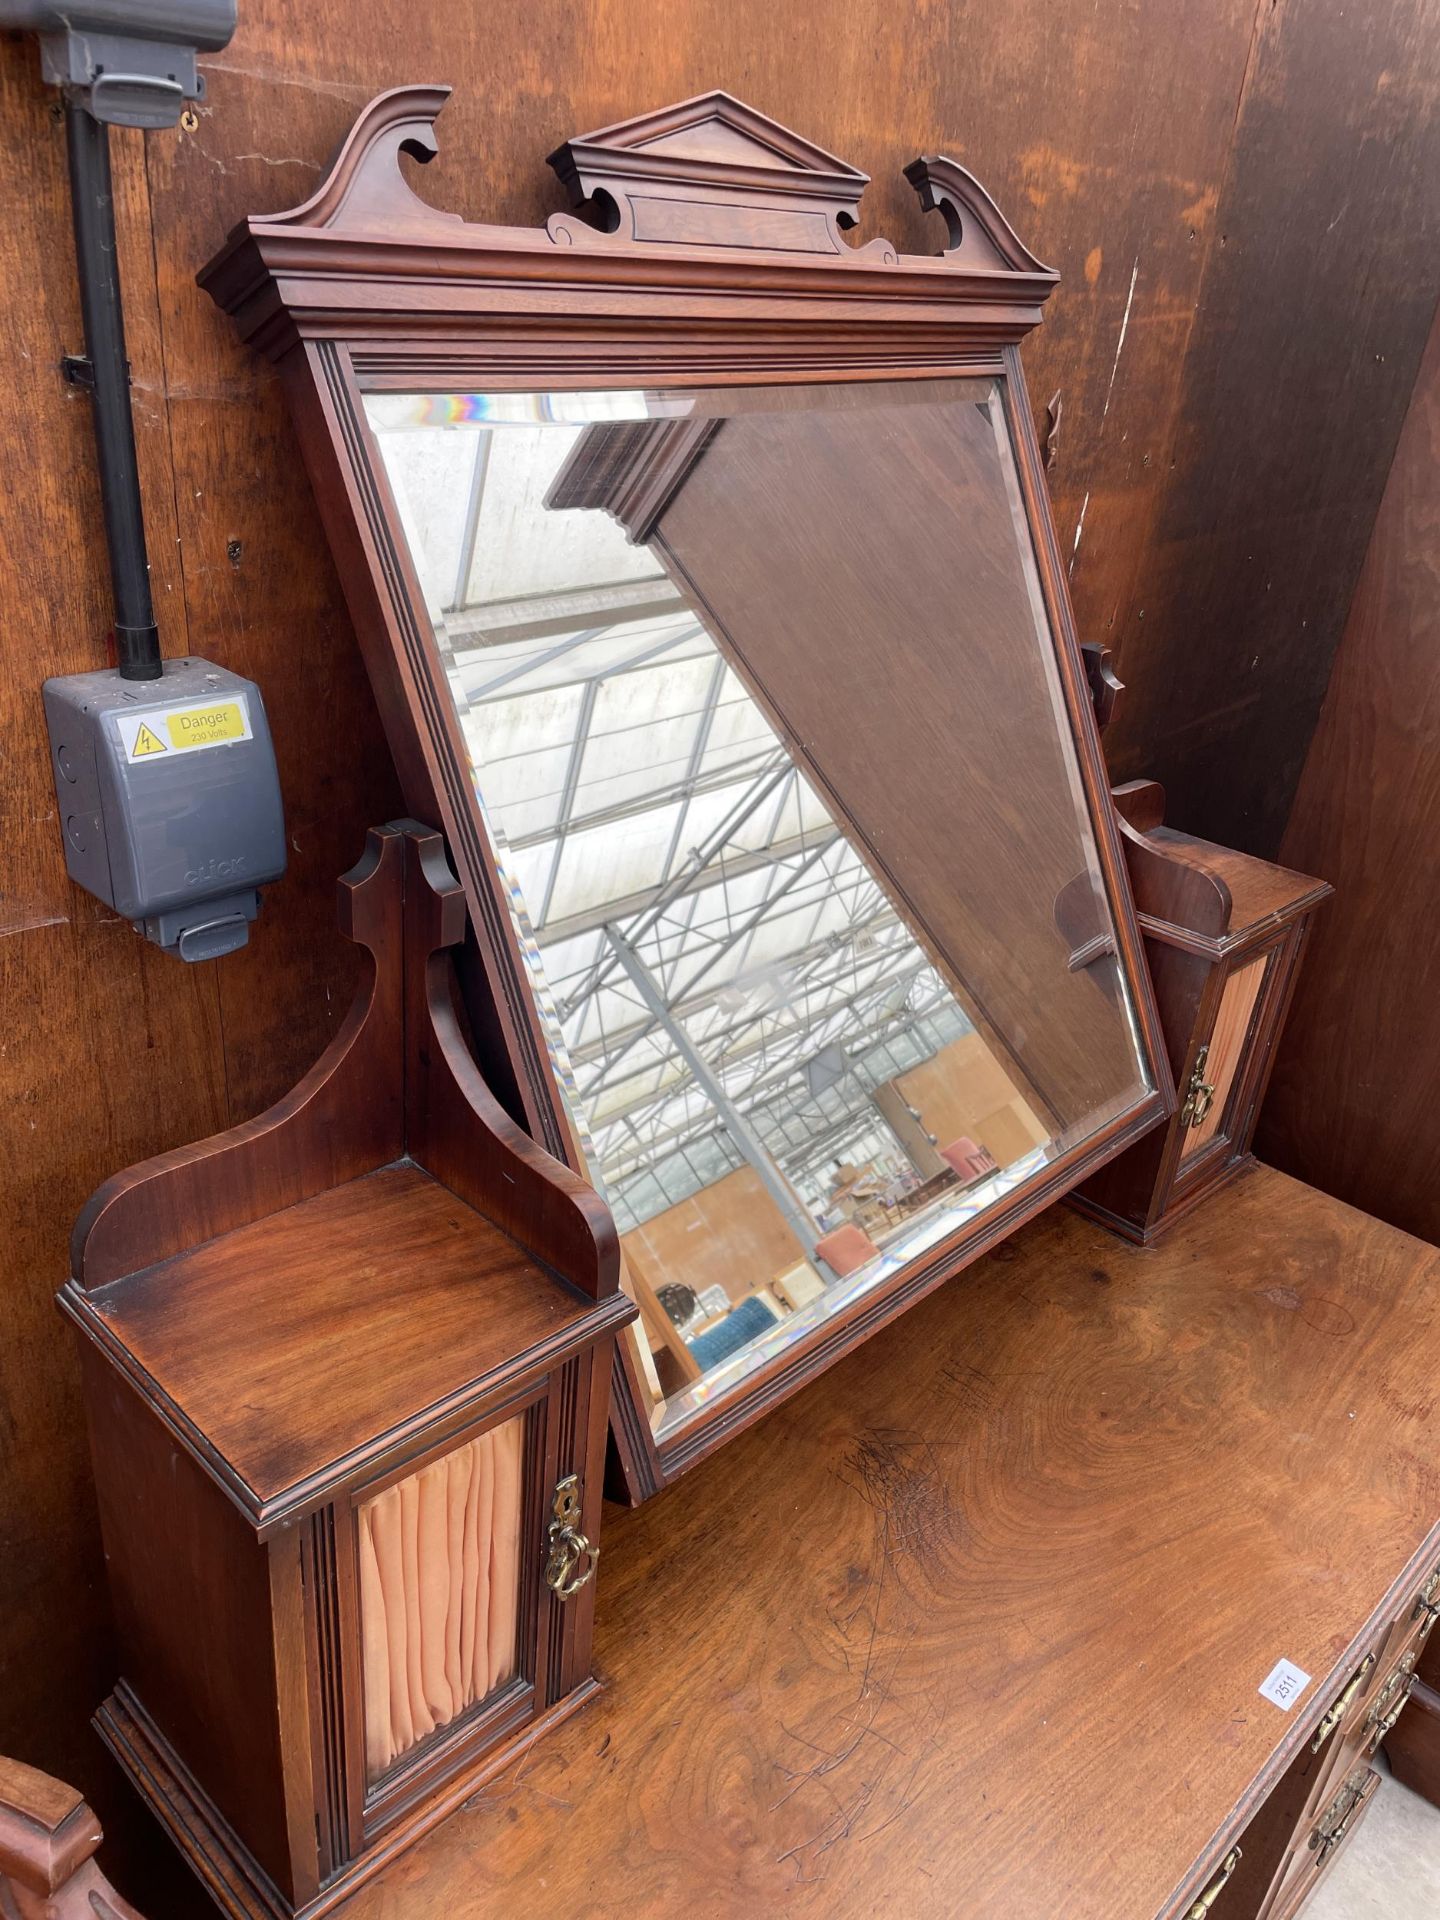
(920, 1197)
(923, 1640)
(882, 1221)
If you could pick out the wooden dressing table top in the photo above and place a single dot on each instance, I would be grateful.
(976, 1624)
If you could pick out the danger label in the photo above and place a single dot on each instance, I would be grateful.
(162, 732)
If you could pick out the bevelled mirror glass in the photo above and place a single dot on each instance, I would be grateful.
(764, 721)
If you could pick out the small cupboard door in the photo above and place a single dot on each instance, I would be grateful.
(1225, 1055)
(430, 1614)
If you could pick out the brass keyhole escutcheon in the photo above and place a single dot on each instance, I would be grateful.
(569, 1558)
(1199, 1094)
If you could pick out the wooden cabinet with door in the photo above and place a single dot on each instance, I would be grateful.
(345, 1376)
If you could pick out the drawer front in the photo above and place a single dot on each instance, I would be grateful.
(1278, 1864)
(1279, 1829)
(1387, 1703)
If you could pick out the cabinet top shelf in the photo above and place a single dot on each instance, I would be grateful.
(289, 1352)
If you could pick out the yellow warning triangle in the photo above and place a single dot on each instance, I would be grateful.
(146, 742)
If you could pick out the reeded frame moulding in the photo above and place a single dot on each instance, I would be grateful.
(708, 249)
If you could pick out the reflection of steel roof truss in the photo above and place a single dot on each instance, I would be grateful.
(649, 796)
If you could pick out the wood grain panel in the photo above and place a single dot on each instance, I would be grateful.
(1308, 331)
(1042, 1541)
(1352, 1102)
(189, 1583)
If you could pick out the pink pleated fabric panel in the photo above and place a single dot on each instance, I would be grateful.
(439, 1592)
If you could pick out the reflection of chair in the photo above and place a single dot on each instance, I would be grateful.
(797, 1285)
(968, 1158)
(846, 1249)
(749, 1320)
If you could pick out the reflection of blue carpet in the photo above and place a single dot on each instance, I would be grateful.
(750, 1318)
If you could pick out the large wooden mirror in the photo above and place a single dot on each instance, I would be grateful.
(706, 578)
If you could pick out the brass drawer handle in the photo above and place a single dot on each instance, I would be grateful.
(1334, 1823)
(570, 1558)
(1216, 1887)
(1339, 1708)
(1427, 1604)
(1199, 1094)
(1388, 1708)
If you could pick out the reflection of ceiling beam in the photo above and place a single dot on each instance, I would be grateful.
(567, 796)
(771, 1082)
(697, 758)
(792, 1044)
(651, 801)
(486, 691)
(624, 1163)
(836, 942)
(795, 1040)
(619, 604)
(718, 953)
(650, 1159)
(754, 796)
(519, 669)
(591, 919)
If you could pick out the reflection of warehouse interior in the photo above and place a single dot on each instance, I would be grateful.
(772, 1084)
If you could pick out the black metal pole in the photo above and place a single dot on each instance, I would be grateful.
(137, 643)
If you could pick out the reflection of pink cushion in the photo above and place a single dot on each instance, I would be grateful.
(968, 1158)
(846, 1249)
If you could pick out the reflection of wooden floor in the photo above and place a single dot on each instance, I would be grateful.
(974, 1626)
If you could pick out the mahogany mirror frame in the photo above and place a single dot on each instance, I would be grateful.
(705, 266)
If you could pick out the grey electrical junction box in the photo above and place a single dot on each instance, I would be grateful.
(169, 800)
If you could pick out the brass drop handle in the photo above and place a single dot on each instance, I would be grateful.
(1339, 1708)
(1216, 1887)
(1335, 1821)
(1199, 1094)
(1388, 1708)
(570, 1558)
(1427, 1604)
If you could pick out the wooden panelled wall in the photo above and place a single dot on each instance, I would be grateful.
(1353, 1105)
(1240, 196)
